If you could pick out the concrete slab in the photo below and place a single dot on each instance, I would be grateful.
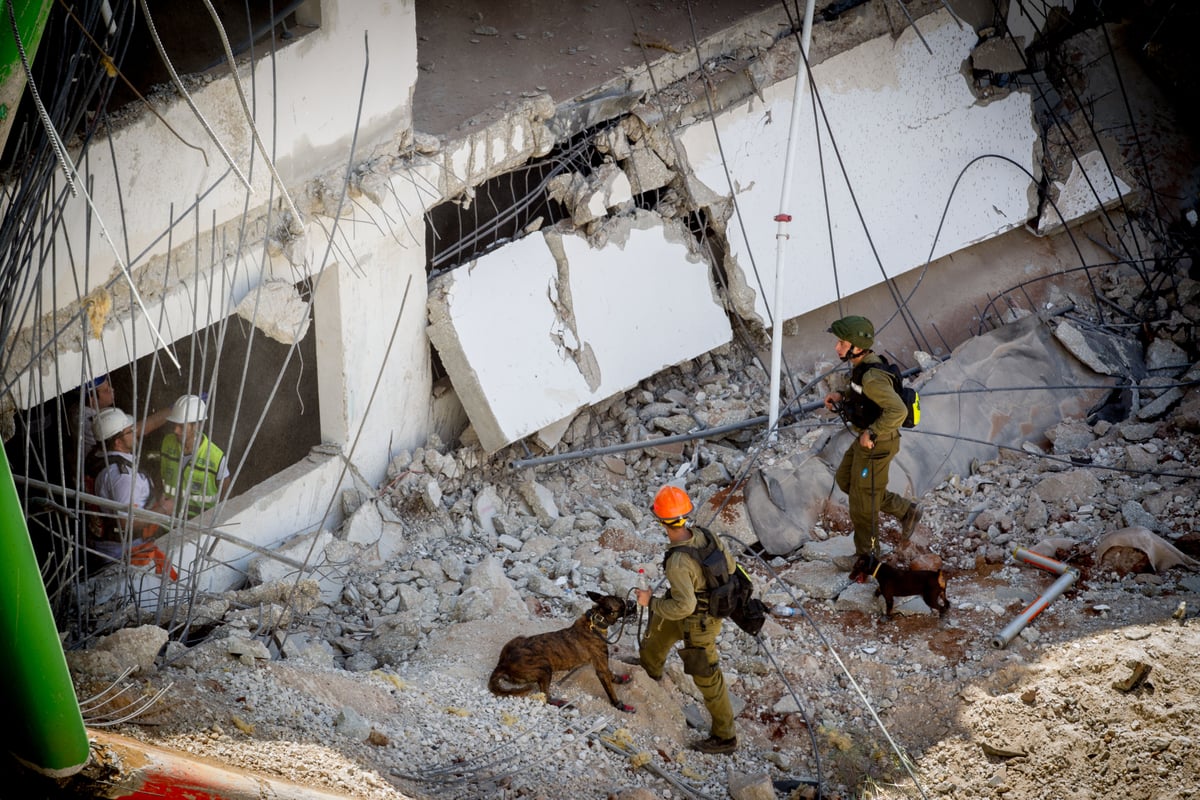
(889, 104)
(574, 323)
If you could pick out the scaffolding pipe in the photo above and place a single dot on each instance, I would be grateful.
(1066, 579)
(783, 219)
(1039, 560)
(164, 521)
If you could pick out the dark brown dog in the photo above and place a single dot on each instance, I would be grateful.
(930, 584)
(529, 660)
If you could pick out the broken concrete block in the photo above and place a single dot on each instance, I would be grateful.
(1164, 356)
(540, 500)
(549, 436)
(1089, 187)
(276, 309)
(308, 549)
(485, 508)
(614, 187)
(579, 330)
(751, 787)
(999, 55)
(1108, 355)
(431, 495)
(1161, 404)
(647, 171)
(365, 526)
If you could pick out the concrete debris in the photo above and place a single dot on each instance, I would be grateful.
(1104, 353)
(757, 786)
(413, 593)
(1089, 187)
(277, 310)
(1138, 672)
(998, 55)
(1001, 752)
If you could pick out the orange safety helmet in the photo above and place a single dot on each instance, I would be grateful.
(671, 503)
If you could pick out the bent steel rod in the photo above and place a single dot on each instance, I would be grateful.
(518, 463)
(164, 521)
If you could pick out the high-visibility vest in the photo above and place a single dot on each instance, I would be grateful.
(199, 477)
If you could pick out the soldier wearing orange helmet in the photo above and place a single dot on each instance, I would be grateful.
(682, 614)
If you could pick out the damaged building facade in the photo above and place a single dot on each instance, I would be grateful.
(487, 283)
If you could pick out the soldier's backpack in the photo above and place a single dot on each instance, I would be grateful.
(730, 594)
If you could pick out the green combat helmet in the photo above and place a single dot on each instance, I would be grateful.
(858, 331)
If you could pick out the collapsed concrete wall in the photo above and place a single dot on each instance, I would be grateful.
(904, 160)
(569, 316)
(577, 324)
(197, 177)
(913, 141)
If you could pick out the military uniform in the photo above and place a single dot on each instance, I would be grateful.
(682, 614)
(863, 473)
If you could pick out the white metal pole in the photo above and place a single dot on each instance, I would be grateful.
(782, 219)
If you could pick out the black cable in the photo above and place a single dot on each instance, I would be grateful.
(1068, 136)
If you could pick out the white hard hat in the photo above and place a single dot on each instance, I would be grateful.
(108, 422)
(189, 408)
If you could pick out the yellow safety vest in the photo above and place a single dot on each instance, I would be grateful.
(199, 477)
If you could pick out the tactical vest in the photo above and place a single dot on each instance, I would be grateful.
(860, 410)
(199, 477)
(717, 599)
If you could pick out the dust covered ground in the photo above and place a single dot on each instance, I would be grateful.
(1098, 693)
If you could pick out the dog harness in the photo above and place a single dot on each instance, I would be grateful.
(600, 629)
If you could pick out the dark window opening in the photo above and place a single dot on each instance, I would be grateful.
(501, 209)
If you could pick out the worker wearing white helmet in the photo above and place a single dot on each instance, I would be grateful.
(110, 533)
(98, 395)
(191, 464)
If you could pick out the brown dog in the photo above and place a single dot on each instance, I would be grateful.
(930, 584)
(527, 660)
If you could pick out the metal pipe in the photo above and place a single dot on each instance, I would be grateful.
(1039, 560)
(162, 520)
(784, 218)
(1064, 582)
(518, 463)
(139, 771)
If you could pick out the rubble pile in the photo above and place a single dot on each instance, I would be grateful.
(366, 672)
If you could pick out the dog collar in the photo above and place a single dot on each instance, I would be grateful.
(878, 564)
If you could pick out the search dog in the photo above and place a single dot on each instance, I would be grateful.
(893, 582)
(529, 660)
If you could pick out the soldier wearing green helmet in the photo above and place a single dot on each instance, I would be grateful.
(874, 412)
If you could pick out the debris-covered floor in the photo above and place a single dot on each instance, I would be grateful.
(382, 692)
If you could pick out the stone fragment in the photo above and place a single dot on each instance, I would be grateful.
(1108, 355)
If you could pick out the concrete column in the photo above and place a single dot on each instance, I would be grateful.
(357, 309)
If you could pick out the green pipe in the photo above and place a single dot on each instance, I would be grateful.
(44, 726)
(30, 16)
